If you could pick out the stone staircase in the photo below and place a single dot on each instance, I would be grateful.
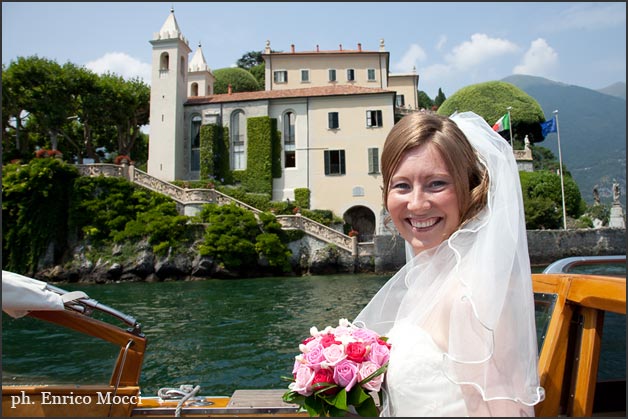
(189, 202)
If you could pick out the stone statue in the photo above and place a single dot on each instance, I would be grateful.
(615, 193)
(596, 196)
(526, 141)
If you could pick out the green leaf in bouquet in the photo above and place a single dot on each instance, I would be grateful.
(314, 406)
(357, 396)
(338, 400)
(293, 397)
(367, 408)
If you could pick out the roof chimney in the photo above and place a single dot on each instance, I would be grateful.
(340, 47)
(359, 47)
(229, 89)
(317, 50)
(292, 48)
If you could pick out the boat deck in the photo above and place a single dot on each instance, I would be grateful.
(242, 403)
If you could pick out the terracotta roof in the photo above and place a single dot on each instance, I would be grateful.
(334, 90)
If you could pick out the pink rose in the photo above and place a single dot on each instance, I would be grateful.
(314, 355)
(303, 380)
(379, 353)
(365, 335)
(367, 368)
(356, 351)
(346, 374)
(334, 354)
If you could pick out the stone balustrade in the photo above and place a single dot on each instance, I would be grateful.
(318, 230)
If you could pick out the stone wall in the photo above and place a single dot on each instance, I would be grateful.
(544, 246)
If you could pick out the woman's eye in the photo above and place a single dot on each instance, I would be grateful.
(401, 185)
(438, 184)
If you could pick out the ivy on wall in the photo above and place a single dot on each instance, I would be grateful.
(215, 153)
(261, 131)
(263, 155)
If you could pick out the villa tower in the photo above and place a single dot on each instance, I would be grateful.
(167, 158)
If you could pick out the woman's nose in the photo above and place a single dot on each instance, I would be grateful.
(419, 200)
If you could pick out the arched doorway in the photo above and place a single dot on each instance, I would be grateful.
(362, 219)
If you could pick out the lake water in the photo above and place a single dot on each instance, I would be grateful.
(220, 334)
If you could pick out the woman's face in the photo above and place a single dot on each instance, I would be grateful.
(421, 200)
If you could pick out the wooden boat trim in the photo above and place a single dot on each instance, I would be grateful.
(583, 299)
(128, 365)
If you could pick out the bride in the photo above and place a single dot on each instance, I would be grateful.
(460, 314)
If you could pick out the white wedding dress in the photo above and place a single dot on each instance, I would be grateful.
(415, 383)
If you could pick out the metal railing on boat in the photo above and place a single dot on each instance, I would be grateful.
(564, 265)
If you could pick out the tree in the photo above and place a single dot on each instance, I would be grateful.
(250, 59)
(542, 193)
(124, 105)
(440, 98)
(239, 79)
(43, 90)
(425, 102)
(491, 101)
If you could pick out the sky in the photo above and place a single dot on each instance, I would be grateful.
(451, 45)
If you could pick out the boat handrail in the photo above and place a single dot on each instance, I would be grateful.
(565, 264)
(88, 305)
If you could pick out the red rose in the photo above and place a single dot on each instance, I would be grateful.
(356, 351)
(311, 338)
(328, 340)
(324, 376)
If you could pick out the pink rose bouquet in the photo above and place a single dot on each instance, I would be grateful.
(337, 368)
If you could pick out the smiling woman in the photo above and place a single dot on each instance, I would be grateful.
(460, 314)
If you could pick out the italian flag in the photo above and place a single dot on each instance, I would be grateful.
(502, 124)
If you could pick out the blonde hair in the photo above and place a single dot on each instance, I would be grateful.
(470, 176)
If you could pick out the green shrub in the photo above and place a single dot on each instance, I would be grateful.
(35, 207)
(302, 197)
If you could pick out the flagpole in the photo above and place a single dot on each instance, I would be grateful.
(560, 164)
(510, 126)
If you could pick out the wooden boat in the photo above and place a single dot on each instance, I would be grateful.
(570, 320)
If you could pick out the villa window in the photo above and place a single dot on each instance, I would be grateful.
(350, 74)
(370, 74)
(373, 161)
(332, 118)
(332, 74)
(305, 76)
(195, 135)
(280, 76)
(238, 141)
(164, 62)
(289, 145)
(400, 101)
(374, 119)
(194, 89)
(334, 162)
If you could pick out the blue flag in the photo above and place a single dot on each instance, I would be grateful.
(548, 126)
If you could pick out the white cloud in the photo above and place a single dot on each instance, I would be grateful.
(121, 64)
(539, 60)
(442, 40)
(409, 60)
(589, 16)
(480, 49)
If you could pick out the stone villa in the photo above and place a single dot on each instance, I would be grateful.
(332, 109)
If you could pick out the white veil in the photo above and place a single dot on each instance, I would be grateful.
(492, 334)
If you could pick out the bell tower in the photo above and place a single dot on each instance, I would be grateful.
(168, 93)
